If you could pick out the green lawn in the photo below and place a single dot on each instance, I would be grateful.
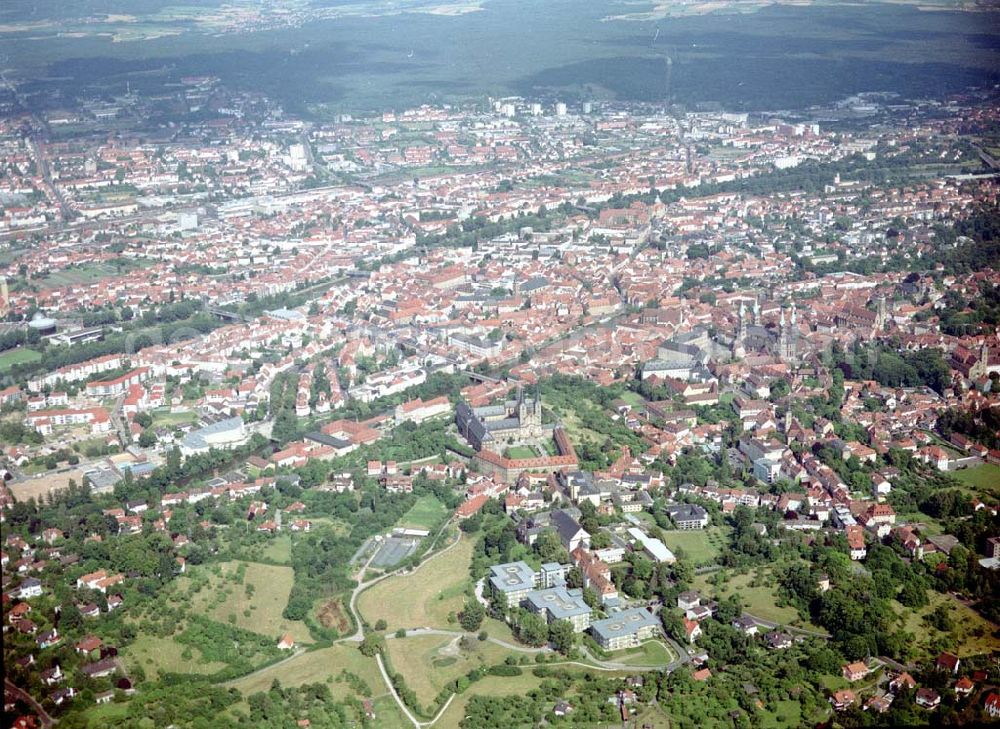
(984, 478)
(760, 600)
(972, 634)
(633, 398)
(432, 592)
(702, 546)
(424, 514)
(255, 605)
(165, 655)
(278, 550)
(323, 666)
(833, 683)
(518, 452)
(784, 714)
(163, 416)
(20, 355)
(107, 714)
(429, 662)
(650, 653)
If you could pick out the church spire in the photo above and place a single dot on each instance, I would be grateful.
(786, 337)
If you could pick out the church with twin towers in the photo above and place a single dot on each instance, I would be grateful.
(753, 337)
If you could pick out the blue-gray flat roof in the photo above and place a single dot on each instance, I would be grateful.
(512, 577)
(623, 623)
(561, 602)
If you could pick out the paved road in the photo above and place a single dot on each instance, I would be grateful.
(47, 721)
(790, 628)
(896, 665)
(119, 422)
(43, 168)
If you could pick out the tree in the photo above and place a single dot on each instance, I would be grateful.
(561, 636)
(549, 548)
(371, 645)
(471, 617)
(147, 439)
(532, 629)
(600, 540)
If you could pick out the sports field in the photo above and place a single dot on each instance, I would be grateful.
(20, 355)
(393, 551)
(424, 514)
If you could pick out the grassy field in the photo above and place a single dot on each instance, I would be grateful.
(432, 592)
(429, 662)
(323, 666)
(338, 526)
(279, 550)
(984, 478)
(388, 715)
(19, 355)
(653, 717)
(972, 634)
(424, 514)
(165, 655)
(785, 713)
(258, 609)
(634, 399)
(80, 275)
(650, 653)
(489, 686)
(578, 432)
(107, 714)
(759, 601)
(163, 417)
(700, 545)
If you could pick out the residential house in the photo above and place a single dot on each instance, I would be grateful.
(928, 698)
(855, 671)
(843, 700)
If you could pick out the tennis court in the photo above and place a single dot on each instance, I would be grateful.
(393, 551)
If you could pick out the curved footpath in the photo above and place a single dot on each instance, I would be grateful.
(682, 656)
